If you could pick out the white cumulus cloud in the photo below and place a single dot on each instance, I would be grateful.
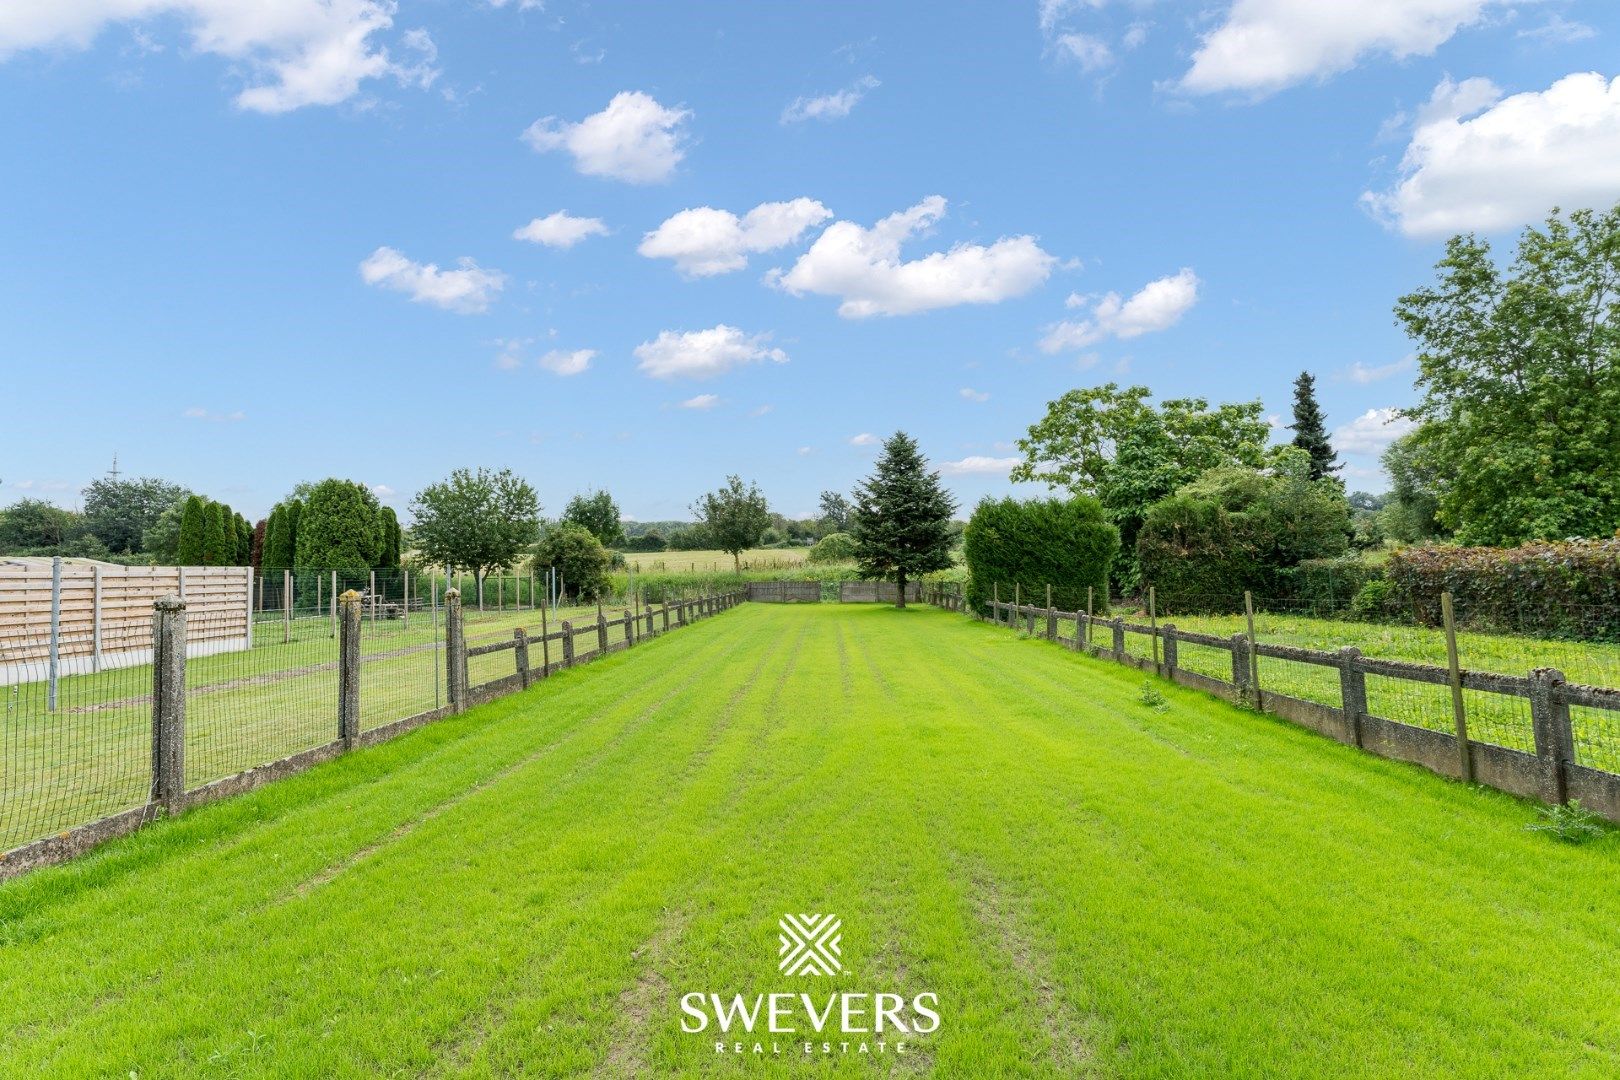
(294, 52)
(1266, 45)
(560, 230)
(864, 269)
(1371, 432)
(865, 438)
(832, 106)
(1158, 305)
(568, 361)
(1480, 161)
(634, 139)
(703, 354)
(704, 241)
(977, 464)
(467, 290)
(701, 401)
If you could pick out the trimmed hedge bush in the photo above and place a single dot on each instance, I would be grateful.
(1565, 589)
(1064, 543)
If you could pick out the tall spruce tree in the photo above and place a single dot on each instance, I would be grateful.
(189, 550)
(1310, 428)
(902, 517)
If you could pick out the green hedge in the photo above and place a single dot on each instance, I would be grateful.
(1566, 589)
(1064, 543)
(1328, 587)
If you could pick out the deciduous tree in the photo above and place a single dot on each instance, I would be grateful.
(734, 518)
(475, 520)
(1520, 374)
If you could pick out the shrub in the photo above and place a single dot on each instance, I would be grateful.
(1234, 530)
(1375, 600)
(1064, 543)
(1564, 589)
(579, 556)
(834, 547)
(1327, 586)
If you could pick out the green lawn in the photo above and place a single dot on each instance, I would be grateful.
(1090, 885)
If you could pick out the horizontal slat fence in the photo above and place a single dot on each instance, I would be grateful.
(94, 616)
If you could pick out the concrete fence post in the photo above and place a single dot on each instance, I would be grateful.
(1352, 691)
(521, 651)
(455, 651)
(349, 669)
(1555, 738)
(1051, 622)
(1241, 668)
(568, 643)
(1118, 623)
(1167, 638)
(629, 630)
(169, 703)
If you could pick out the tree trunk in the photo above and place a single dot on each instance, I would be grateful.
(900, 595)
(736, 562)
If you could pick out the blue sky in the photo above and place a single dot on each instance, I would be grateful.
(248, 245)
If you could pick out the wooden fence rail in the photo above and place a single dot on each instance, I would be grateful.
(1551, 774)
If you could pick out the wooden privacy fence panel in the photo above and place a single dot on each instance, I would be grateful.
(1552, 770)
(876, 592)
(99, 615)
(785, 592)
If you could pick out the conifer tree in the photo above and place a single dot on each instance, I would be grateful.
(1310, 428)
(902, 517)
(218, 548)
(189, 550)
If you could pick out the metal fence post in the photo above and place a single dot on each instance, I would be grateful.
(1555, 738)
(1352, 691)
(455, 651)
(169, 703)
(1153, 626)
(407, 602)
(349, 670)
(1254, 652)
(371, 594)
(521, 650)
(95, 659)
(286, 606)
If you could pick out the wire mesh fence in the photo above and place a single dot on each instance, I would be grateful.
(76, 748)
(1452, 670)
(78, 743)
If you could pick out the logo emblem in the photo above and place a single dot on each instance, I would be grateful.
(810, 944)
